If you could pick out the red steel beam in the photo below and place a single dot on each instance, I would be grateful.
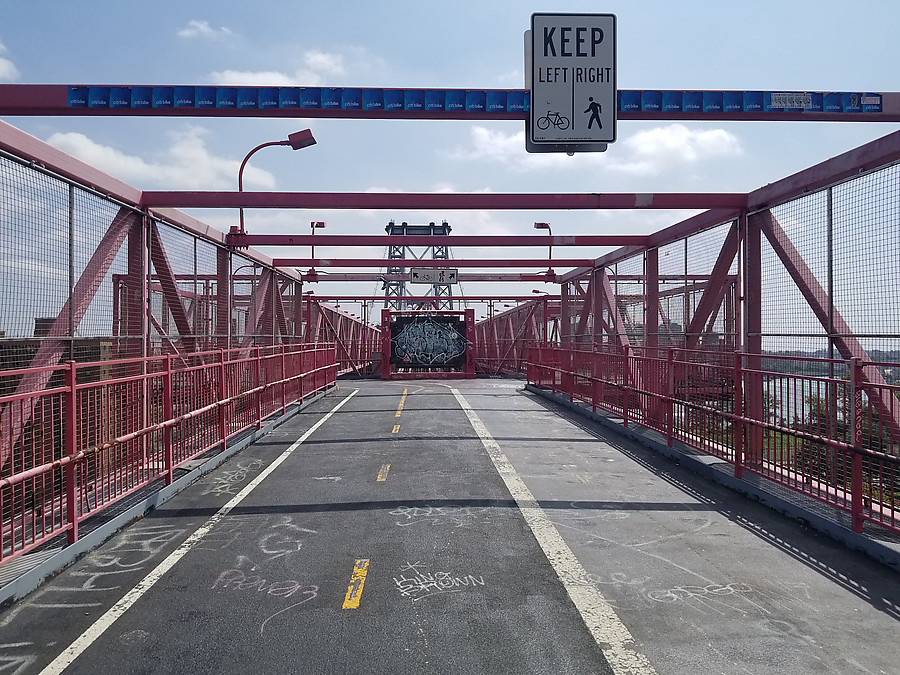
(873, 155)
(241, 240)
(541, 277)
(429, 262)
(442, 200)
(428, 298)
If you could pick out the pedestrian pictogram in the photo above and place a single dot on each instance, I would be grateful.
(594, 109)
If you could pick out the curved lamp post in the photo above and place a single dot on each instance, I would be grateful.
(546, 226)
(297, 140)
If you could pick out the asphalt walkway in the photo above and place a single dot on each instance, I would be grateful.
(462, 527)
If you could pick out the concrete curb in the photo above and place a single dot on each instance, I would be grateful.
(701, 465)
(36, 575)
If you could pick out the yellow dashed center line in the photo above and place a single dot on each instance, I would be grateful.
(402, 401)
(382, 475)
(357, 581)
(395, 429)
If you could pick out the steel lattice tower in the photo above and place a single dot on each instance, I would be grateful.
(394, 291)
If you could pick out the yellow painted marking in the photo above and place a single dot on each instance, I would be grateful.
(357, 581)
(396, 429)
(382, 475)
(402, 401)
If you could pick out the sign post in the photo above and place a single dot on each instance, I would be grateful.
(573, 83)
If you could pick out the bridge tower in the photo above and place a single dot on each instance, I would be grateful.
(394, 291)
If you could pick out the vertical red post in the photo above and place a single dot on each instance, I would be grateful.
(626, 383)
(470, 343)
(258, 387)
(554, 367)
(385, 344)
(223, 407)
(856, 477)
(540, 351)
(753, 339)
(670, 394)
(304, 369)
(168, 414)
(283, 382)
(71, 439)
(651, 302)
(737, 428)
(317, 366)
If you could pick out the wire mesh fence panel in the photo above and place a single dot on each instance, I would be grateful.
(35, 259)
(717, 328)
(866, 236)
(788, 318)
(246, 298)
(673, 282)
(173, 290)
(212, 332)
(628, 288)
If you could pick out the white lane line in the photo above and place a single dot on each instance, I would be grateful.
(85, 640)
(611, 635)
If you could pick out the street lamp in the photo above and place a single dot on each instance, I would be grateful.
(313, 226)
(297, 140)
(546, 226)
(544, 295)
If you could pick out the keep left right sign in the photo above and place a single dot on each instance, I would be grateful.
(573, 81)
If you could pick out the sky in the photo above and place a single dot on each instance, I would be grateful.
(794, 45)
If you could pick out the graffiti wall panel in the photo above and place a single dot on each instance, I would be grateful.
(428, 341)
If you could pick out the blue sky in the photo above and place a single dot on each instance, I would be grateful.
(787, 45)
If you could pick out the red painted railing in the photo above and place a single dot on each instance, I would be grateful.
(832, 436)
(101, 431)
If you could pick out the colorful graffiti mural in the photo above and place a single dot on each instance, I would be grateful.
(428, 341)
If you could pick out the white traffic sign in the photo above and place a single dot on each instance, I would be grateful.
(573, 82)
(429, 275)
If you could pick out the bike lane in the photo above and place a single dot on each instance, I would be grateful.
(385, 542)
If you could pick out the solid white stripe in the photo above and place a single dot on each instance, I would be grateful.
(601, 619)
(85, 640)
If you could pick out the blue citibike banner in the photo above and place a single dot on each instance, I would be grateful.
(460, 100)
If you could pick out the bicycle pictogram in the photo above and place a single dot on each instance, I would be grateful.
(553, 118)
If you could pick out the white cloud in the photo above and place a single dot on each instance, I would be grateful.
(647, 152)
(8, 70)
(462, 221)
(513, 78)
(187, 164)
(316, 68)
(259, 78)
(202, 29)
(655, 150)
(324, 63)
